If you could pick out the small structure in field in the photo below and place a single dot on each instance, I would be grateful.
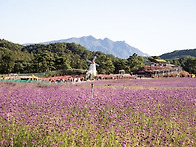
(92, 72)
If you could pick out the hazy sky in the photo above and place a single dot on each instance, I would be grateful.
(152, 26)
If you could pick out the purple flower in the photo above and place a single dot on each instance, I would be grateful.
(24, 143)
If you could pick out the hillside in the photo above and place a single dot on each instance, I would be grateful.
(117, 48)
(37, 58)
(179, 54)
(184, 58)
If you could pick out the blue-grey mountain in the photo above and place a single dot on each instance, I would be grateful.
(117, 48)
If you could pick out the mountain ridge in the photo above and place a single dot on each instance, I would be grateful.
(117, 48)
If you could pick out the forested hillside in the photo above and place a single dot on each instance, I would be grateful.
(184, 58)
(16, 58)
(39, 58)
(188, 63)
(179, 54)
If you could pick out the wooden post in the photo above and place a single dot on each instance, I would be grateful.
(92, 86)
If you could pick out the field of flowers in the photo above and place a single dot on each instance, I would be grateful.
(153, 112)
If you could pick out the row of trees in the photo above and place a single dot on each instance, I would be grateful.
(188, 63)
(37, 58)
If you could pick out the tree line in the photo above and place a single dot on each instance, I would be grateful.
(188, 63)
(38, 58)
(179, 54)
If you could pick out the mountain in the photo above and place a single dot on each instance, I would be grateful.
(179, 54)
(117, 48)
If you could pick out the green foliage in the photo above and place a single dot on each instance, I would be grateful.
(16, 58)
(62, 62)
(135, 62)
(153, 58)
(44, 62)
(184, 58)
(105, 64)
(7, 62)
(12, 58)
(41, 57)
(59, 56)
(179, 54)
(10, 45)
(187, 63)
(121, 64)
(192, 66)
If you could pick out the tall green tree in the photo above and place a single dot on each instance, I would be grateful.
(62, 62)
(135, 62)
(105, 64)
(121, 64)
(153, 58)
(76, 62)
(43, 62)
(192, 66)
(18, 67)
(7, 62)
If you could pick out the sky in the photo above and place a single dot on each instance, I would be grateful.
(153, 26)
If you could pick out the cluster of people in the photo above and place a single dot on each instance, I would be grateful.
(70, 80)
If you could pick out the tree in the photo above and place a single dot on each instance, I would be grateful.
(7, 62)
(135, 62)
(153, 58)
(76, 62)
(18, 67)
(121, 64)
(105, 64)
(44, 62)
(62, 62)
(192, 66)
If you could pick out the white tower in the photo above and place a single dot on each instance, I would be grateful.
(92, 68)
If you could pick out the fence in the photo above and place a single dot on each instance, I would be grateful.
(25, 81)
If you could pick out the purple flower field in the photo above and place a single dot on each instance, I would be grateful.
(152, 112)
